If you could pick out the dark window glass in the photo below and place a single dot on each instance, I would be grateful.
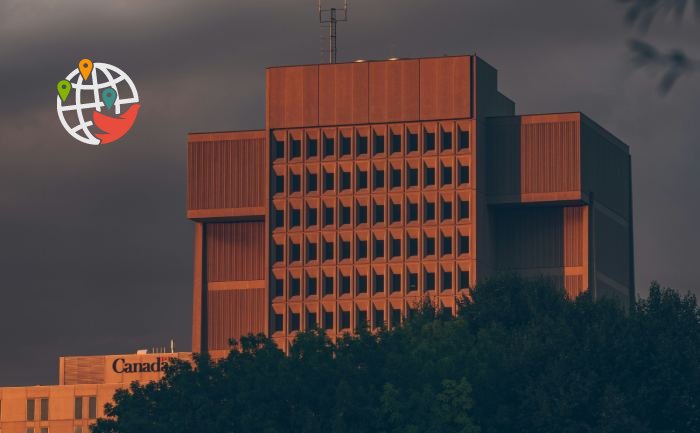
(395, 285)
(395, 247)
(344, 180)
(344, 250)
(278, 287)
(446, 245)
(395, 212)
(279, 148)
(429, 211)
(361, 214)
(463, 209)
(311, 147)
(311, 286)
(446, 210)
(446, 175)
(278, 322)
(463, 279)
(395, 175)
(378, 144)
(295, 151)
(328, 182)
(429, 142)
(361, 319)
(412, 281)
(294, 322)
(344, 284)
(279, 218)
(344, 146)
(279, 253)
(295, 183)
(361, 145)
(429, 281)
(429, 246)
(395, 143)
(328, 146)
(294, 217)
(378, 179)
(463, 174)
(446, 140)
(294, 252)
(311, 216)
(378, 283)
(31, 409)
(361, 249)
(327, 216)
(463, 140)
(312, 182)
(344, 319)
(311, 251)
(379, 318)
(294, 287)
(279, 183)
(92, 407)
(378, 248)
(446, 312)
(311, 320)
(447, 280)
(378, 213)
(361, 284)
(411, 142)
(361, 179)
(395, 317)
(411, 212)
(327, 320)
(463, 244)
(78, 408)
(412, 177)
(412, 247)
(429, 176)
(344, 215)
(327, 285)
(327, 250)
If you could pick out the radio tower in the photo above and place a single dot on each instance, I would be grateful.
(329, 18)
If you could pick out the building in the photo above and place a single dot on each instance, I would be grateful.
(86, 384)
(375, 184)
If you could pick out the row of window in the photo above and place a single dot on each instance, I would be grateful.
(380, 145)
(328, 319)
(43, 407)
(379, 248)
(379, 181)
(397, 212)
(330, 285)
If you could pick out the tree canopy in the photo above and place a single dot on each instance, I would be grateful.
(519, 357)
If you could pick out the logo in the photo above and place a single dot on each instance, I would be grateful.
(121, 366)
(97, 103)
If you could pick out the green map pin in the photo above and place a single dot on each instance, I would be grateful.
(63, 87)
(109, 95)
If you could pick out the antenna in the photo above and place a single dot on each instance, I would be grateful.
(329, 17)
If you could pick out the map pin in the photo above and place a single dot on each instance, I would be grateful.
(85, 67)
(63, 87)
(109, 95)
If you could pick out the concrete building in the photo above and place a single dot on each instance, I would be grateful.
(376, 184)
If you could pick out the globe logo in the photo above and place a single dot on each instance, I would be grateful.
(97, 103)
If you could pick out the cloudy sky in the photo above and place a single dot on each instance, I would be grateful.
(95, 250)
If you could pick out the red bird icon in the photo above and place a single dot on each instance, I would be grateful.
(114, 127)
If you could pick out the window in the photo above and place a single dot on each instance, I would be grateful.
(429, 141)
(361, 214)
(279, 183)
(429, 246)
(344, 180)
(446, 175)
(78, 408)
(327, 250)
(463, 140)
(361, 145)
(344, 215)
(395, 285)
(395, 143)
(295, 149)
(327, 320)
(31, 409)
(395, 316)
(78, 429)
(378, 213)
(279, 148)
(395, 247)
(344, 252)
(429, 211)
(411, 142)
(361, 179)
(294, 217)
(463, 209)
(277, 322)
(446, 140)
(463, 244)
(446, 280)
(429, 176)
(463, 279)
(378, 283)
(92, 407)
(344, 319)
(294, 322)
(279, 252)
(378, 178)
(361, 249)
(412, 282)
(311, 251)
(294, 183)
(446, 210)
(312, 182)
(278, 290)
(294, 252)
(411, 177)
(429, 281)
(327, 285)
(294, 287)
(395, 212)
(379, 248)
(311, 289)
(30, 429)
(361, 319)
(361, 284)
(463, 174)
(328, 145)
(378, 144)
(278, 216)
(345, 146)
(395, 175)
(412, 247)
(411, 212)
(311, 216)
(344, 284)
(311, 322)
(328, 182)
(379, 318)
(311, 147)
(328, 216)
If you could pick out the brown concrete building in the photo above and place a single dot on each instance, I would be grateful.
(86, 384)
(375, 184)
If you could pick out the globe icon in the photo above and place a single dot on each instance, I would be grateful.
(77, 111)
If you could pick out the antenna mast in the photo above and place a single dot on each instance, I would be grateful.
(329, 18)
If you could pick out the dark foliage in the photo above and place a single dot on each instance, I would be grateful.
(520, 357)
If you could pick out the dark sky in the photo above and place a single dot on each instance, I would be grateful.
(95, 250)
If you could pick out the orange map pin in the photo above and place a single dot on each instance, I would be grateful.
(85, 67)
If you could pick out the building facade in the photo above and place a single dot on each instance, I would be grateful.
(377, 184)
